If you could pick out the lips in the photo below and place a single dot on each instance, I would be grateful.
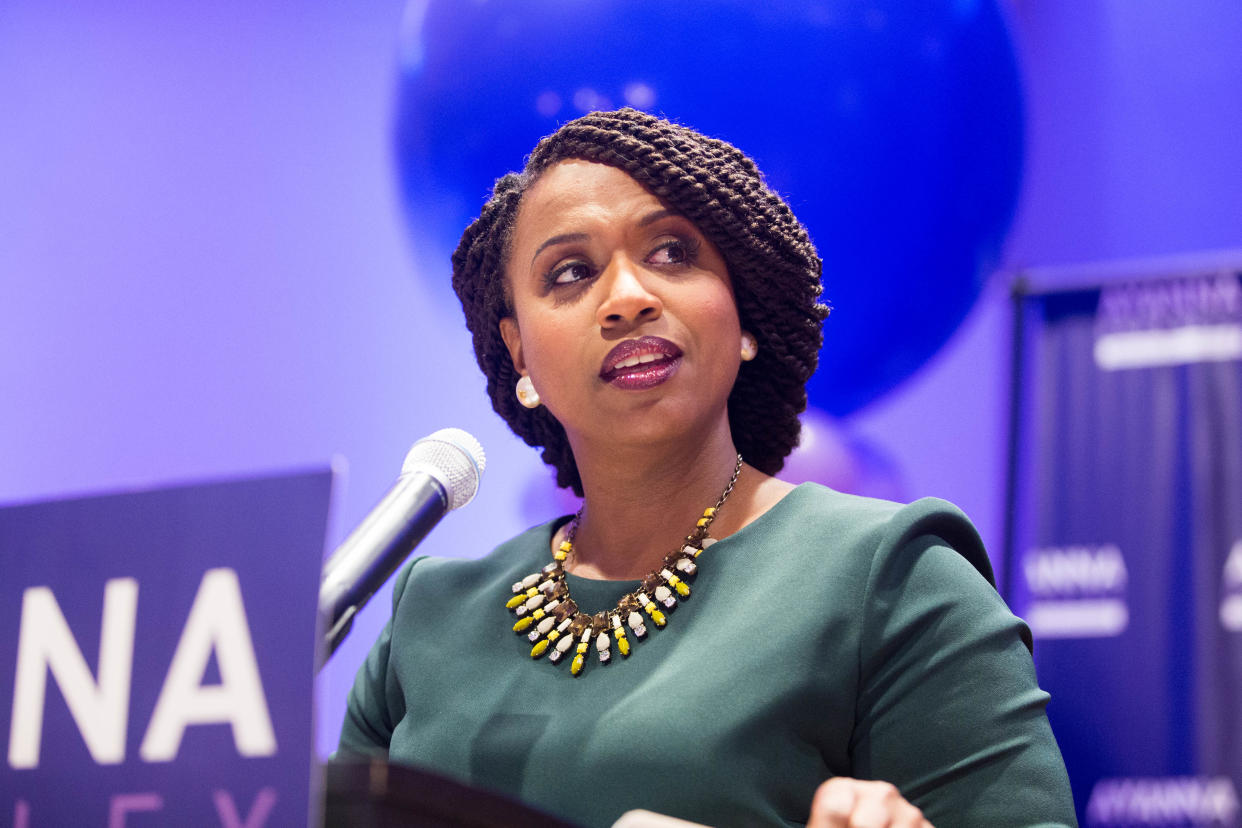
(637, 364)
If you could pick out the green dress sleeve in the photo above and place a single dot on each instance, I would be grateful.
(948, 707)
(376, 703)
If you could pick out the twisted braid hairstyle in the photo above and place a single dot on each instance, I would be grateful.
(772, 263)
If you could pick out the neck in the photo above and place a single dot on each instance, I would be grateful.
(642, 500)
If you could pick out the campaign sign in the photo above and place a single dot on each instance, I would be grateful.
(1127, 555)
(157, 655)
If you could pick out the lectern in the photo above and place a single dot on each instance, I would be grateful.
(376, 794)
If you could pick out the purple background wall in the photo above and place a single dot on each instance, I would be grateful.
(204, 269)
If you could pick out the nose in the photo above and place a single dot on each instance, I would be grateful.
(628, 300)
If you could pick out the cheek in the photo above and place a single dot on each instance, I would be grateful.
(722, 311)
(719, 333)
(549, 358)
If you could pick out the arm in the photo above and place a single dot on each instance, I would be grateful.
(948, 709)
(375, 703)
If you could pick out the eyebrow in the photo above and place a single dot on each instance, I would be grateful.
(561, 239)
(650, 218)
(656, 215)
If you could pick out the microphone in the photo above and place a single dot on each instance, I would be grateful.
(440, 473)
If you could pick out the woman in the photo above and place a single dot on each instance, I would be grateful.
(645, 309)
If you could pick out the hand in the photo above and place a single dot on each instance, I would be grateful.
(842, 802)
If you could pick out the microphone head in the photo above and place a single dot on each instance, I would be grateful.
(454, 458)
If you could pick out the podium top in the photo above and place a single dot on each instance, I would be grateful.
(373, 793)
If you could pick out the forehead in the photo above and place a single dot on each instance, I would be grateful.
(582, 190)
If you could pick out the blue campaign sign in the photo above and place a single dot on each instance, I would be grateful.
(1127, 551)
(157, 655)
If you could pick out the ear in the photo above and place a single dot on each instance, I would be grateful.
(512, 336)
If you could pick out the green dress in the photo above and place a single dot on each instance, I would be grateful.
(834, 635)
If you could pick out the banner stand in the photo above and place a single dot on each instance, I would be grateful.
(1124, 531)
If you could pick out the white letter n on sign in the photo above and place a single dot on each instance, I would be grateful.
(100, 710)
(217, 622)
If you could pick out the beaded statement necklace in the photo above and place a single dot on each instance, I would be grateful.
(551, 618)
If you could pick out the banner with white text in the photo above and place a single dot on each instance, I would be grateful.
(1126, 551)
(157, 655)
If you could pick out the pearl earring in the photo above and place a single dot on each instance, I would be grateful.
(526, 393)
(749, 347)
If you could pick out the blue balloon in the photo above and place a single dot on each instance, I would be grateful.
(894, 129)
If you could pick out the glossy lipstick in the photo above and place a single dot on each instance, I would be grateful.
(639, 364)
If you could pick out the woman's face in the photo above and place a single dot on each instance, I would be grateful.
(624, 316)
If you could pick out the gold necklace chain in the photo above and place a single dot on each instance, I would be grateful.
(551, 618)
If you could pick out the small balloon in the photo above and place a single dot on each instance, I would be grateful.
(830, 454)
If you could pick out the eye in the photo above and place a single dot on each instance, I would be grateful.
(675, 252)
(567, 273)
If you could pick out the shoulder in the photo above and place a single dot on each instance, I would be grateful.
(925, 556)
(521, 553)
(878, 528)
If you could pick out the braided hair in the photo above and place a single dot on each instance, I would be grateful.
(772, 263)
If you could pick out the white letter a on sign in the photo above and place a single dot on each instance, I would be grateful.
(217, 622)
